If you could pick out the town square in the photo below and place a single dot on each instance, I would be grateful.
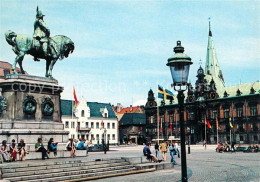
(129, 90)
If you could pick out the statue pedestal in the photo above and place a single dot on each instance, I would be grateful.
(33, 109)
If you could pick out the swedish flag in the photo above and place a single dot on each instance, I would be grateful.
(164, 94)
(230, 123)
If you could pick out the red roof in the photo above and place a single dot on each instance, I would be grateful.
(7, 66)
(129, 110)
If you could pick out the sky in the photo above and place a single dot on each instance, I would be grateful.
(122, 47)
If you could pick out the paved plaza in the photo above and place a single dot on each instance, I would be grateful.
(203, 165)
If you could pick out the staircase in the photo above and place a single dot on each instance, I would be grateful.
(64, 170)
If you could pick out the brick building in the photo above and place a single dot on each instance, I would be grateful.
(212, 100)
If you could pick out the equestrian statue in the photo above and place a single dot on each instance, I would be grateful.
(40, 46)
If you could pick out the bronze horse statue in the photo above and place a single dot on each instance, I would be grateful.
(23, 44)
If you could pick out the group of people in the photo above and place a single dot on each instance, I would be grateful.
(74, 145)
(253, 148)
(9, 152)
(163, 147)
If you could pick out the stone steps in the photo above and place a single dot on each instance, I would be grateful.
(53, 166)
(80, 166)
(54, 171)
(78, 177)
(108, 175)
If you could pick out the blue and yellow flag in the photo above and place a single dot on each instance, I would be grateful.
(164, 94)
(230, 123)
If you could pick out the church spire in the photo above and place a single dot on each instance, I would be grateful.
(212, 70)
(210, 33)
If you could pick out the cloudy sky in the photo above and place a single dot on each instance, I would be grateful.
(122, 47)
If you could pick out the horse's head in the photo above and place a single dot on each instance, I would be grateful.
(65, 44)
(68, 47)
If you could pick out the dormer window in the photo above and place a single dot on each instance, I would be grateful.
(104, 112)
(82, 113)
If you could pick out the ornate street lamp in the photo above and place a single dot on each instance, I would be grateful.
(179, 65)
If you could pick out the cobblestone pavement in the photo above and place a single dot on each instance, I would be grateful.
(203, 165)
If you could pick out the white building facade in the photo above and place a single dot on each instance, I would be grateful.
(92, 121)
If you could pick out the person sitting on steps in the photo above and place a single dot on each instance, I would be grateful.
(21, 150)
(40, 148)
(71, 148)
(52, 146)
(147, 152)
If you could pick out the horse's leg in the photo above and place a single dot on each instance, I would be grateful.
(51, 67)
(20, 62)
(47, 68)
(18, 58)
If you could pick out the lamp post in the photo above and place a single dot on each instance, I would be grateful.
(179, 65)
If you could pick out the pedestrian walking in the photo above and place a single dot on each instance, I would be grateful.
(156, 147)
(177, 149)
(163, 148)
(173, 152)
(205, 144)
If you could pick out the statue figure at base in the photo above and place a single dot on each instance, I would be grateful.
(41, 46)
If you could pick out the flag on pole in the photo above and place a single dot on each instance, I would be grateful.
(171, 126)
(230, 123)
(207, 123)
(161, 126)
(102, 124)
(164, 93)
(75, 97)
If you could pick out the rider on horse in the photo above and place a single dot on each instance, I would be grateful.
(41, 35)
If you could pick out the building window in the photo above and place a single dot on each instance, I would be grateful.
(171, 118)
(191, 116)
(6, 72)
(108, 125)
(108, 137)
(239, 112)
(255, 138)
(214, 114)
(97, 137)
(82, 113)
(97, 125)
(253, 110)
(72, 136)
(92, 137)
(92, 124)
(226, 113)
(87, 137)
(66, 124)
(113, 125)
(151, 119)
(113, 137)
(105, 115)
(78, 125)
(86, 124)
(73, 124)
(241, 138)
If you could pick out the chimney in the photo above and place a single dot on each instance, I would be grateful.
(131, 108)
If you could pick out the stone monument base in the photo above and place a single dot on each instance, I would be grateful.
(33, 110)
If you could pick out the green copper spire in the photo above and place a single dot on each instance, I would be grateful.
(212, 70)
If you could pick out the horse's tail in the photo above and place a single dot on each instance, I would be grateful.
(10, 37)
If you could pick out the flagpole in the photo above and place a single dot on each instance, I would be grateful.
(205, 128)
(158, 118)
(72, 106)
(232, 124)
(217, 129)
